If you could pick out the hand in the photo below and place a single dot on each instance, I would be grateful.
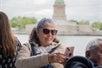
(57, 58)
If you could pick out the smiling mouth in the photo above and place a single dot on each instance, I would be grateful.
(49, 39)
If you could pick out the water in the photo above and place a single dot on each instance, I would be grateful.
(79, 42)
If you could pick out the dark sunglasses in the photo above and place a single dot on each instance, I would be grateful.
(47, 31)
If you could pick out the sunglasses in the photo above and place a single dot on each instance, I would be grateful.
(47, 31)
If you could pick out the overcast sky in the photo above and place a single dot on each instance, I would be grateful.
(75, 9)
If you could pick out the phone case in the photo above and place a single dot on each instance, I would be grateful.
(69, 51)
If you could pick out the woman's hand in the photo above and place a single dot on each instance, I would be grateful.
(57, 58)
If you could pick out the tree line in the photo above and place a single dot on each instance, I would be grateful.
(21, 22)
(95, 24)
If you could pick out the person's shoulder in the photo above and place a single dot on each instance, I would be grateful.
(26, 44)
(17, 43)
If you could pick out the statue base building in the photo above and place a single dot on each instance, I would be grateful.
(66, 27)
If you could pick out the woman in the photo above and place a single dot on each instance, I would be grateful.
(43, 49)
(8, 43)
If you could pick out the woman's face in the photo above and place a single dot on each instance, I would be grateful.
(47, 34)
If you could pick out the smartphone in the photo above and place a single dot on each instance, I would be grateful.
(69, 51)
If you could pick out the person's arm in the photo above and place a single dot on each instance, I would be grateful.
(60, 49)
(24, 60)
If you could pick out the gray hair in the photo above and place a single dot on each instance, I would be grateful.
(43, 21)
(93, 44)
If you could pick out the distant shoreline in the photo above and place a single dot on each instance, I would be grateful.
(67, 34)
(80, 34)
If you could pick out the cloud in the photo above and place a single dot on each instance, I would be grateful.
(75, 9)
(84, 9)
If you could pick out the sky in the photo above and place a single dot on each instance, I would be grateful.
(74, 9)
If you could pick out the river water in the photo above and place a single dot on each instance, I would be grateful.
(79, 42)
